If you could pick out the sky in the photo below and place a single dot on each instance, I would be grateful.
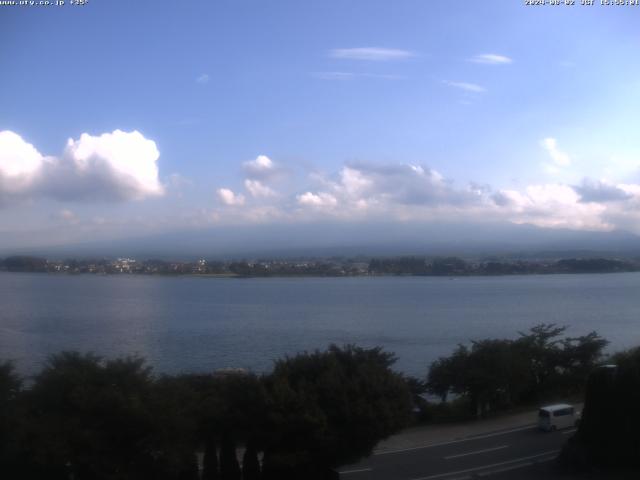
(124, 119)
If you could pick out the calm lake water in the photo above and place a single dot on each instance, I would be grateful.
(200, 324)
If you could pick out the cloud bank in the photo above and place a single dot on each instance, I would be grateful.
(375, 193)
(122, 166)
(115, 166)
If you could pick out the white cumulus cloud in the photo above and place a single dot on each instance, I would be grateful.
(367, 192)
(261, 167)
(257, 189)
(113, 166)
(228, 197)
(552, 206)
(395, 191)
(20, 164)
(318, 200)
(118, 165)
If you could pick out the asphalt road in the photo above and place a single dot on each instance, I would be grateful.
(492, 453)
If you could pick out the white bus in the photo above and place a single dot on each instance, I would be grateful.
(553, 417)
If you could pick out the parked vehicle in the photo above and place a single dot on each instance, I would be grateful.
(554, 417)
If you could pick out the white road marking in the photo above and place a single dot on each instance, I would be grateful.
(519, 465)
(346, 472)
(485, 467)
(460, 440)
(569, 432)
(476, 452)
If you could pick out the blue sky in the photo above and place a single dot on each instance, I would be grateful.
(365, 111)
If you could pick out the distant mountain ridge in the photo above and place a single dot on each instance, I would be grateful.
(326, 240)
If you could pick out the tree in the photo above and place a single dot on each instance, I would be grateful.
(447, 374)
(10, 384)
(230, 408)
(541, 346)
(25, 264)
(580, 356)
(330, 408)
(210, 461)
(491, 379)
(250, 463)
(449, 266)
(10, 390)
(489, 375)
(90, 418)
(418, 388)
(608, 433)
(189, 467)
(229, 466)
(495, 373)
(172, 406)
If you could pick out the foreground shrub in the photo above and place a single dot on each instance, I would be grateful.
(88, 418)
(608, 433)
(495, 374)
(330, 408)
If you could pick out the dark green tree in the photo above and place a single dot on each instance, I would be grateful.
(489, 375)
(172, 406)
(495, 374)
(10, 391)
(95, 420)
(250, 463)
(541, 346)
(607, 438)
(579, 357)
(491, 380)
(418, 388)
(229, 466)
(189, 467)
(25, 264)
(448, 374)
(10, 384)
(330, 408)
(210, 461)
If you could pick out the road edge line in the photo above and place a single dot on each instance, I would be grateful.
(457, 440)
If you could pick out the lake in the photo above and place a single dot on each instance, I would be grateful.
(184, 324)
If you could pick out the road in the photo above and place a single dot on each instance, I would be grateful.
(489, 453)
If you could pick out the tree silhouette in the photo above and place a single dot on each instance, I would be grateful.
(495, 373)
(229, 466)
(329, 408)
(210, 461)
(250, 463)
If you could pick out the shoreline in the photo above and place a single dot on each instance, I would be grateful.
(278, 275)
